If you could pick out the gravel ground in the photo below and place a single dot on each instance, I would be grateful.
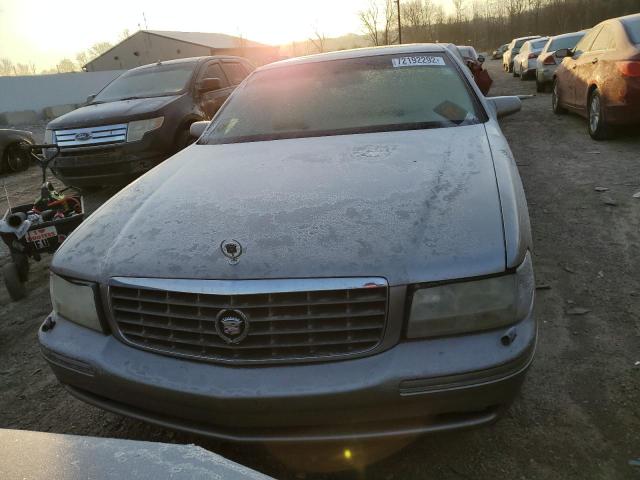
(579, 412)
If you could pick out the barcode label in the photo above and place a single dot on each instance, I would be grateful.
(417, 61)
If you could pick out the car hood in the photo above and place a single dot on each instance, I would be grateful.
(121, 111)
(411, 206)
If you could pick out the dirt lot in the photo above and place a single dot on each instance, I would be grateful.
(579, 412)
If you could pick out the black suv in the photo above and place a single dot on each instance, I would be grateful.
(140, 119)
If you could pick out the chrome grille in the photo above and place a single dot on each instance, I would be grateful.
(90, 136)
(288, 320)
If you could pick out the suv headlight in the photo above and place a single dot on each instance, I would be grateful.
(75, 301)
(48, 137)
(472, 306)
(137, 129)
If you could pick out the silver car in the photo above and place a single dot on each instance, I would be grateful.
(512, 50)
(343, 254)
(524, 64)
(547, 62)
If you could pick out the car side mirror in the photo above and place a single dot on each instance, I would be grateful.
(209, 85)
(480, 59)
(504, 106)
(197, 128)
(564, 52)
(90, 98)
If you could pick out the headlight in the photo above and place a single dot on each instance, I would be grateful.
(75, 301)
(472, 306)
(48, 137)
(137, 129)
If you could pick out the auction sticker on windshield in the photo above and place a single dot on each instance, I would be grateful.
(417, 61)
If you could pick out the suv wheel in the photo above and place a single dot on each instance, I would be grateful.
(555, 100)
(597, 125)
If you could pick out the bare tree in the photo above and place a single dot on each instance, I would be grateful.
(6, 67)
(369, 19)
(65, 66)
(82, 59)
(318, 40)
(98, 49)
(22, 69)
(459, 8)
(389, 22)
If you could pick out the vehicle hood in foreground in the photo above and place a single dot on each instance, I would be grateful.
(122, 111)
(411, 206)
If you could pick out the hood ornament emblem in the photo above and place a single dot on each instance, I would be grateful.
(232, 326)
(232, 250)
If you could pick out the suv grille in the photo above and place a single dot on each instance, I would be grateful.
(287, 320)
(90, 136)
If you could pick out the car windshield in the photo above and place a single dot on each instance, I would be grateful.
(539, 44)
(148, 82)
(519, 43)
(407, 91)
(565, 42)
(633, 29)
(468, 52)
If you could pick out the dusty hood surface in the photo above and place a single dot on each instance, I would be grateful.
(121, 111)
(408, 206)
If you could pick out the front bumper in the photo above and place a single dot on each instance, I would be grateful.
(415, 387)
(107, 165)
(545, 74)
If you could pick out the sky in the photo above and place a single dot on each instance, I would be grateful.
(45, 31)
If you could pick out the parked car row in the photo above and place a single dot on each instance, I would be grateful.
(594, 73)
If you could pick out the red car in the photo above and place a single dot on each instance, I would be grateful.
(600, 77)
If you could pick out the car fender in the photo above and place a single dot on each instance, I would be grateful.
(515, 212)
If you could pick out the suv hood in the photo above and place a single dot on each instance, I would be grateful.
(122, 111)
(411, 206)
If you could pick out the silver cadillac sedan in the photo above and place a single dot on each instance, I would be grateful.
(343, 254)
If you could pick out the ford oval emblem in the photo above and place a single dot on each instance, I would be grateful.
(83, 136)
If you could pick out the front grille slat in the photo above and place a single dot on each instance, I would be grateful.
(220, 305)
(310, 325)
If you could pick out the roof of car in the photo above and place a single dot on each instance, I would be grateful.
(626, 18)
(178, 61)
(529, 37)
(570, 34)
(359, 53)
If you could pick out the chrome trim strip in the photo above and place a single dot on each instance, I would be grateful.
(248, 287)
(100, 128)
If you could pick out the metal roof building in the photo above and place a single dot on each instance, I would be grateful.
(149, 46)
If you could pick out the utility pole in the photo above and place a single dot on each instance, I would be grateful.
(399, 23)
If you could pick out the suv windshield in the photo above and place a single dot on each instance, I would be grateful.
(407, 91)
(148, 82)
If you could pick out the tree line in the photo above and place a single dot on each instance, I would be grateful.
(484, 24)
(66, 65)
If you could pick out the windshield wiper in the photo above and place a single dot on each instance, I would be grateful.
(128, 98)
